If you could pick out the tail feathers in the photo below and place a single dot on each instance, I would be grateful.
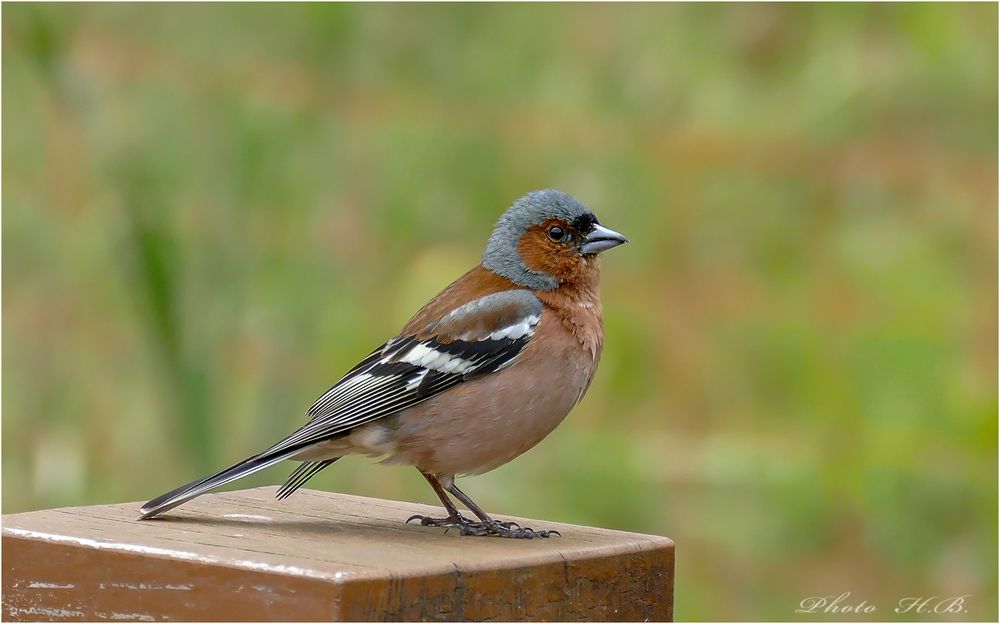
(302, 474)
(194, 489)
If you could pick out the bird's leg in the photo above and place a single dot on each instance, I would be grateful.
(486, 525)
(489, 526)
(455, 517)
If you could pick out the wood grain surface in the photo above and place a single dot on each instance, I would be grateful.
(319, 556)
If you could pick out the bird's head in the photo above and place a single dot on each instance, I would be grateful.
(547, 238)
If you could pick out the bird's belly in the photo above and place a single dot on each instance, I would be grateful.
(484, 423)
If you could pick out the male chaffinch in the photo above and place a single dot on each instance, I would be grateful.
(481, 374)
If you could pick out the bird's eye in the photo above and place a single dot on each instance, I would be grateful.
(556, 233)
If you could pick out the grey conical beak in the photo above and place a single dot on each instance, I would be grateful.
(601, 239)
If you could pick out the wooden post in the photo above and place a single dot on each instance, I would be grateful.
(319, 556)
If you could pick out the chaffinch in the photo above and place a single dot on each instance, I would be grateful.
(479, 375)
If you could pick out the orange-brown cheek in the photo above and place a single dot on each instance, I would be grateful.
(541, 254)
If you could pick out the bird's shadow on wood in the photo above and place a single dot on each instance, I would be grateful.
(299, 527)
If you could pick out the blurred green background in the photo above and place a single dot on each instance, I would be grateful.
(211, 212)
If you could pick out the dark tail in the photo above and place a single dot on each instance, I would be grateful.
(302, 474)
(185, 493)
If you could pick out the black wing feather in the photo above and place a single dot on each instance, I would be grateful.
(388, 387)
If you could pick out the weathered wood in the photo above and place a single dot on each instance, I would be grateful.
(319, 556)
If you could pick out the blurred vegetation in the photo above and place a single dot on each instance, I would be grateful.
(211, 212)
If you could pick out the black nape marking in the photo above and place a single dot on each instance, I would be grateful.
(584, 224)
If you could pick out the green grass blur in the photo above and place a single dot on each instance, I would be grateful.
(211, 212)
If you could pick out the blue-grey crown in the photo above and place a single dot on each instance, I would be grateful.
(502, 256)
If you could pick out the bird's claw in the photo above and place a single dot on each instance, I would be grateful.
(515, 531)
(428, 521)
(496, 528)
(504, 528)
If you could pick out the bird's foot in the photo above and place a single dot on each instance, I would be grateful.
(513, 530)
(495, 528)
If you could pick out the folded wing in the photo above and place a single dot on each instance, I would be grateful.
(474, 339)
